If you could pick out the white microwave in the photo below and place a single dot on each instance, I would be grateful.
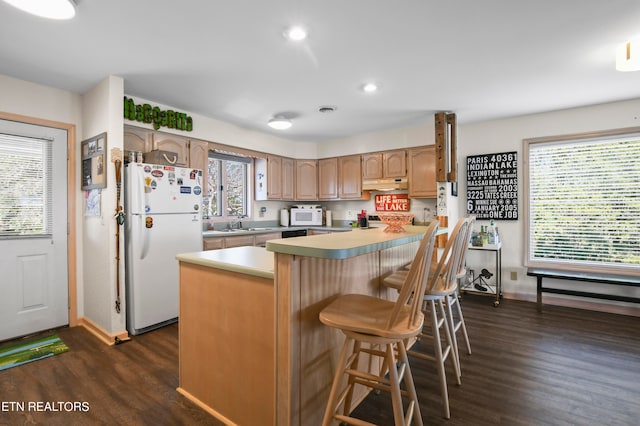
(306, 217)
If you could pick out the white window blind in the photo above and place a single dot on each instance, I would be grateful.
(25, 194)
(584, 204)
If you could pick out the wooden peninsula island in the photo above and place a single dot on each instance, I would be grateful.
(252, 349)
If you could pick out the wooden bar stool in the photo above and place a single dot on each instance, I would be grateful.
(442, 283)
(457, 319)
(380, 324)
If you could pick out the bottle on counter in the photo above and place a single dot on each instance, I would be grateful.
(492, 233)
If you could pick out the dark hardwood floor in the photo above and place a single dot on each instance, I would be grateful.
(562, 367)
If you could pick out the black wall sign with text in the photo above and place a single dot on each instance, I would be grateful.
(492, 186)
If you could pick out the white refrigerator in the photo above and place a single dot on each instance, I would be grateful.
(163, 219)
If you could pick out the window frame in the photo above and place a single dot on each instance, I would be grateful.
(529, 261)
(222, 193)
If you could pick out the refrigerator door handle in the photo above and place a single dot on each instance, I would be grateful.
(144, 236)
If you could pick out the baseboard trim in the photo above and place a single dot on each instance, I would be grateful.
(106, 337)
(571, 302)
(205, 407)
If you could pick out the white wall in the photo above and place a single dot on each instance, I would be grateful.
(102, 112)
(420, 135)
(507, 135)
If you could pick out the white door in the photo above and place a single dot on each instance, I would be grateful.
(33, 229)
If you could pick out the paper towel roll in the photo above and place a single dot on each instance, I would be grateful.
(329, 218)
(284, 217)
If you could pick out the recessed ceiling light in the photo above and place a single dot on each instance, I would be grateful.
(370, 87)
(279, 123)
(52, 9)
(295, 33)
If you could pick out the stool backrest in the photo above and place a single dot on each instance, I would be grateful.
(445, 276)
(462, 263)
(415, 284)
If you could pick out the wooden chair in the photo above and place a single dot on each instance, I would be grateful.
(385, 326)
(453, 299)
(442, 282)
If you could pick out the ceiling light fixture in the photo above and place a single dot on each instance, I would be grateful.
(280, 123)
(52, 9)
(628, 56)
(370, 87)
(295, 33)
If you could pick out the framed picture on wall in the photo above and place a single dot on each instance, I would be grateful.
(94, 171)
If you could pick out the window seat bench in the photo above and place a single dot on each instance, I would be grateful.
(614, 279)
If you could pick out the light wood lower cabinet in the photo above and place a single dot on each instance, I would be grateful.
(213, 243)
(216, 243)
(261, 239)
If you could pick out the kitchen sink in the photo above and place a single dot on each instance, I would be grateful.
(244, 229)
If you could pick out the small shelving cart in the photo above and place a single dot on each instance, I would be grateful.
(471, 285)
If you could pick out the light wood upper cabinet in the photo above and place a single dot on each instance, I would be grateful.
(274, 177)
(328, 179)
(372, 166)
(350, 180)
(136, 139)
(178, 146)
(388, 164)
(422, 172)
(394, 163)
(199, 159)
(288, 178)
(306, 180)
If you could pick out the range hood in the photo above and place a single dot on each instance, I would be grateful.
(384, 184)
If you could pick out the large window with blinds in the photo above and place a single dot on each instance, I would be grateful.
(25, 194)
(584, 202)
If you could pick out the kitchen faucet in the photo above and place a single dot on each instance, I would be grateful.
(237, 222)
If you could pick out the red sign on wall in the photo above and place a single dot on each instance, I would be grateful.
(392, 202)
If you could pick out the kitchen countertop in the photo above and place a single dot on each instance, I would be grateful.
(246, 260)
(258, 261)
(349, 244)
(267, 230)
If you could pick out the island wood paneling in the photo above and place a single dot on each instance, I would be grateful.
(307, 351)
(227, 343)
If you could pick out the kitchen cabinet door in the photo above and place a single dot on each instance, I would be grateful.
(213, 243)
(241, 241)
(306, 180)
(394, 164)
(261, 239)
(372, 166)
(350, 174)
(288, 178)
(422, 172)
(172, 144)
(274, 177)
(328, 179)
(199, 159)
(136, 139)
